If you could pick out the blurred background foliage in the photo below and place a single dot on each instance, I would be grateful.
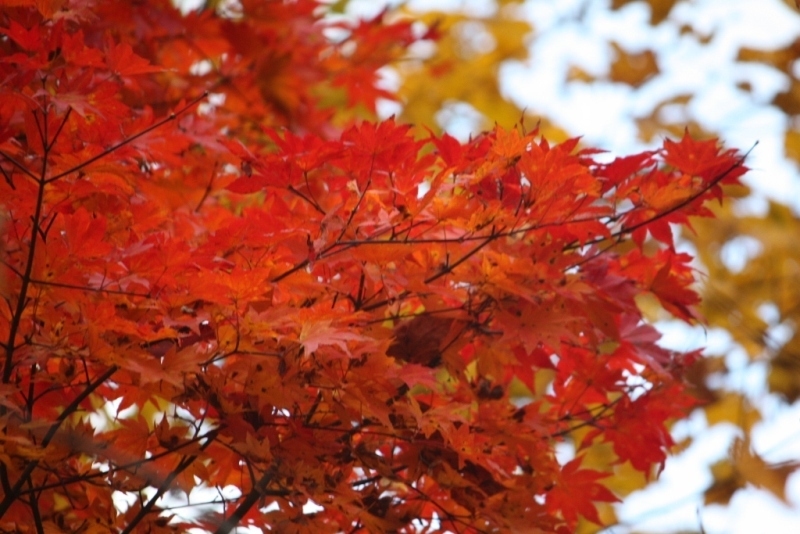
(749, 257)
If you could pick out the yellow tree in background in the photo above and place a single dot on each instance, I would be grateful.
(751, 261)
(463, 68)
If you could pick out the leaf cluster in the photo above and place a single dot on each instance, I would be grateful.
(221, 291)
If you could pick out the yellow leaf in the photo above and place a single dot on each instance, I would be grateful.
(633, 69)
(726, 482)
(732, 407)
(756, 471)
(542, 381)
(781, 59)
(789, 101)
(465, 64)
(577, 74)
(791, 144)
(784, 372)
(339, 6)
(605, 512)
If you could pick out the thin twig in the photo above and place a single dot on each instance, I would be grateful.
(248, 502)
(169, 118)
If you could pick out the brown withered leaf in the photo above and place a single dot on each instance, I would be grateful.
(422, 340)
(781, 58)
(745, 466)
(789, 101)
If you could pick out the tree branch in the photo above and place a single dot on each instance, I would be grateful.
(257, 491)
(14, 492)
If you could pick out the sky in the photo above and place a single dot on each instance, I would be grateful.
(603, 114)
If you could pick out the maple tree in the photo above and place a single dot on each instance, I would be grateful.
(746, 254)
(229, 300)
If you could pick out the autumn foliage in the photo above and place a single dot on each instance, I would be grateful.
(228, 300)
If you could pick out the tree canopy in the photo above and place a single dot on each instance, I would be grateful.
(231, 296)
